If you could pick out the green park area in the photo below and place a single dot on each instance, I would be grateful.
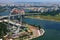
(46, 17)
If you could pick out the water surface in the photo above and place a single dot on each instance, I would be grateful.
(52, 29)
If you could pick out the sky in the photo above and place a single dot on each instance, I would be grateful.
(9, 1)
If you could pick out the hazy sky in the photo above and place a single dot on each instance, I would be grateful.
(9, 1)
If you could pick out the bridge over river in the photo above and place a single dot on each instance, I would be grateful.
(26, 14)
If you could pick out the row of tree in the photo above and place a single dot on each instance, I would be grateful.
(52, 13)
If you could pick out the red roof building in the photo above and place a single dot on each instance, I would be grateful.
(15, 11)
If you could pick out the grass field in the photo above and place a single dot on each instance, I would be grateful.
(52, 18)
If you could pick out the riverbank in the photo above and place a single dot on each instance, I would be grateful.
(49, 18)
(51, 28)
(36, 31)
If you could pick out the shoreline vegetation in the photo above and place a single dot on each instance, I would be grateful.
(36, 29)
(43, 17)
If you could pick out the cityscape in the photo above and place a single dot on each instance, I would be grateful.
(30, 21)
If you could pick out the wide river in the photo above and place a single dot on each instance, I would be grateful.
(52, 29)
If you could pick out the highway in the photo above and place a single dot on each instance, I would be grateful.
(14, 23)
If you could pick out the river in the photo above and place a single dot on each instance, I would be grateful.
(52, 29)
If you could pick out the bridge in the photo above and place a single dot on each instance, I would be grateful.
(14, 23)
(26, 14)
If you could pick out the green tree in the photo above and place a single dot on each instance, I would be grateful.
(3, 30)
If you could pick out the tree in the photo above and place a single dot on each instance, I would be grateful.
(3, 30)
